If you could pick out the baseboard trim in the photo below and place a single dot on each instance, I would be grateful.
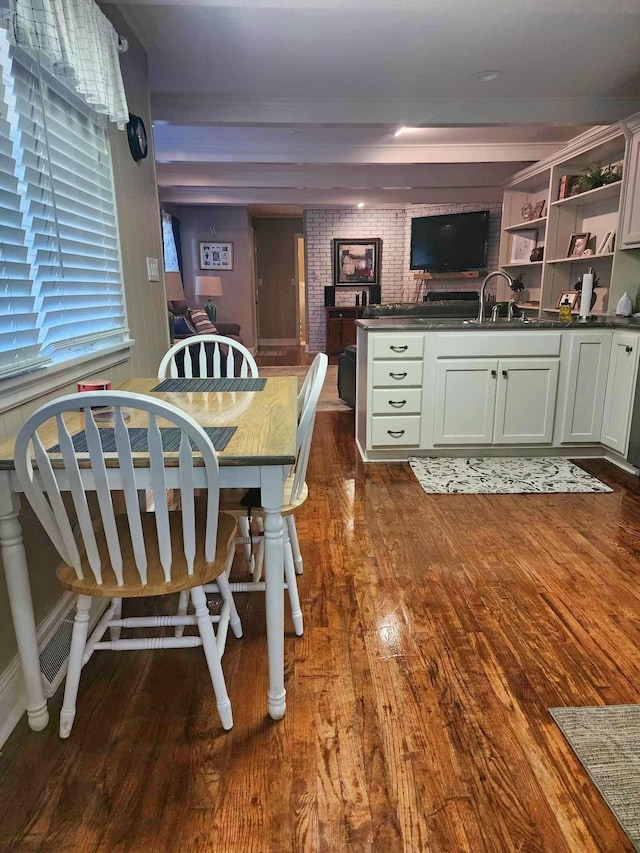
(13, 701)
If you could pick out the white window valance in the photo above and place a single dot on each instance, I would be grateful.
(81, 45)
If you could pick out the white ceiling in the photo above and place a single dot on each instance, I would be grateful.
(294, 103)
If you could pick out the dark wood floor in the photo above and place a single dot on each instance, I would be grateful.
(439, 631)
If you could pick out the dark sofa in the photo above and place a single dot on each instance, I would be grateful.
(180, 330)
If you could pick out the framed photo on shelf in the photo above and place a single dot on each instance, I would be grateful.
(356, 261)
(607, 243)
(577, 244)
(568, 296)
(522, 244)
(216, 256)
(538, 210)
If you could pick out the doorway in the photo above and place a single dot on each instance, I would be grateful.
(279, 272)
(301, 290)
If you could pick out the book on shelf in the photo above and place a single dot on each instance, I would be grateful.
(567, 186)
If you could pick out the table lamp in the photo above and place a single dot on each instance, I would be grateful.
(209, 285)
(173, 286)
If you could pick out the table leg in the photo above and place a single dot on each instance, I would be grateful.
(272, 499)
(14, 559)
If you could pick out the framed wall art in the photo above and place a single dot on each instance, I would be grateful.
(216, 256)
(522, 244)
(356, 261)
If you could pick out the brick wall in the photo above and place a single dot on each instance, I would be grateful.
(320, 227)
(493, 249)
(393, 227)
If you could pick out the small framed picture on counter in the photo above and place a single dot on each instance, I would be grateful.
(568, 297)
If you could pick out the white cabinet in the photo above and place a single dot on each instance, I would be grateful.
(526, 400)
(465, 397)
(394, 394)
(495, 401)
(630, 228)
(587, 367)
(621, 383)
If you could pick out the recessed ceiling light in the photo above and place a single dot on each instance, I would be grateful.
(360, 204)
(487, 76)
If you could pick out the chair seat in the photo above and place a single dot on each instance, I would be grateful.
(203, 572)
(231, 501)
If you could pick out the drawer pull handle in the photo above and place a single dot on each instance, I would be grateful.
(396, 433)
(628, 349)
(505, 374)
(399, 349)
(397, 404)
(494, 373)
(398, 375)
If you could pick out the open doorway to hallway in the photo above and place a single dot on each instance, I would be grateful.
(280, 284)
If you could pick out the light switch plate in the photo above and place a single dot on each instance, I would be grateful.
(153, 270)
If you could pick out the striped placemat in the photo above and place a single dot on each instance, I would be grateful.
(220, 437)
(203, 385)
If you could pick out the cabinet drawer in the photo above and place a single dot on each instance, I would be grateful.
(388, 402)
(498, 344)
(388, 374)
(399, 430)
(398, 346)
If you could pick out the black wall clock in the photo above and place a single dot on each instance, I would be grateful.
(137, 137)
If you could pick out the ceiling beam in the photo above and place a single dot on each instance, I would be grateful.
(329, 198)
(187, 109)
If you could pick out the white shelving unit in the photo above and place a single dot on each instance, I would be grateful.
(595, 212)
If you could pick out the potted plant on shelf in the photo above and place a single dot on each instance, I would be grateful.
(597, 176)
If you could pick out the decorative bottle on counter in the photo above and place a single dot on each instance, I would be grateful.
(564, 312)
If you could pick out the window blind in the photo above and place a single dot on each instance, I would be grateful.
(60, 272)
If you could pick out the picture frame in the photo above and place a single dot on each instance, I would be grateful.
(538, 209)
(607, 243)
(577, 244)
(356, 261)
(570, 295)
(522, 244)
(216, 256)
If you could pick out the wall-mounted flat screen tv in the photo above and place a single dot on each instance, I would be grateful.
(452, 242)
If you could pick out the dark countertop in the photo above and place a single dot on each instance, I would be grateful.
(443, 324)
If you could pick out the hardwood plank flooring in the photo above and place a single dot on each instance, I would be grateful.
(439, 630)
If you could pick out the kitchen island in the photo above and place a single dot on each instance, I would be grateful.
(445, 387)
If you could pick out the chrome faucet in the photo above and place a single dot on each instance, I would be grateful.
(488, 278)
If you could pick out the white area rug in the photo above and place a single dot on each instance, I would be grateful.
(497, 476)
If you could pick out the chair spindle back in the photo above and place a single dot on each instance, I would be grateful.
(42, 472)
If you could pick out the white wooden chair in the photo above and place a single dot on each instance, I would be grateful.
(210, 358)
(295, 493)
(210, 366)
(134, 554)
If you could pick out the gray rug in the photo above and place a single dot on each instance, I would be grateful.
(607, 742)
(502, 475)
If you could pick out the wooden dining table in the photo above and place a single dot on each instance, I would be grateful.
(259, 454)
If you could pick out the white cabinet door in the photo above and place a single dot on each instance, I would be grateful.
(465, 396)
(586, 385)
(630, 231)
(621, 383)
(526, 400)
